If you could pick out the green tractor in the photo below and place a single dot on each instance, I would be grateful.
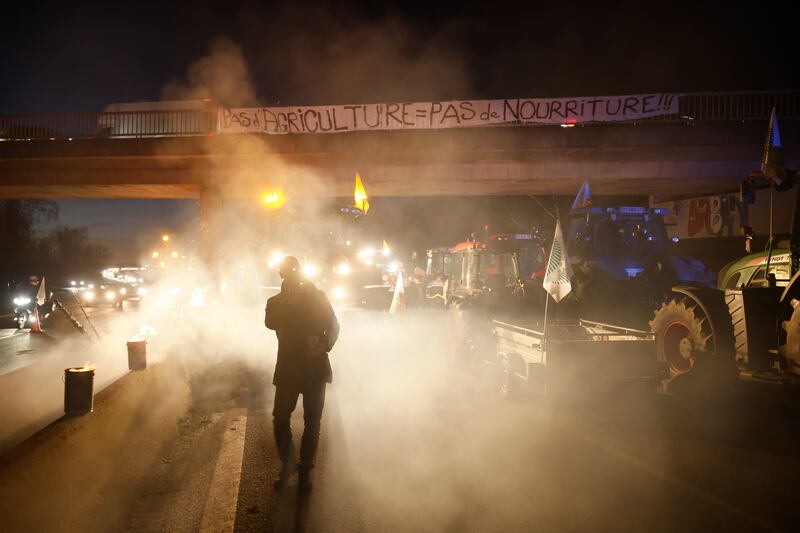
(750, 323)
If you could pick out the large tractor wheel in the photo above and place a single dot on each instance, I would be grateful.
(790, 338)
(683, 330)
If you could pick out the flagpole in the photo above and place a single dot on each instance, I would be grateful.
(544, 326)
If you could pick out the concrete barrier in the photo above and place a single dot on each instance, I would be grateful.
(51, 481)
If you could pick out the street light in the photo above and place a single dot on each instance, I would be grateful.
(274, 200)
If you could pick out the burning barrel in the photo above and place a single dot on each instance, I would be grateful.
(78, 390)
(137, 354)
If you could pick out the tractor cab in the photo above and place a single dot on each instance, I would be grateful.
(531, 252)
(483, 273)
(627, 233)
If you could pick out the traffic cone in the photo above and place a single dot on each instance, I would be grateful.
(36, 327)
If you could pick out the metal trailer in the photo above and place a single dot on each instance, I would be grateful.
(575, 360)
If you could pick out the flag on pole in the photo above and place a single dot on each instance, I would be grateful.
(559, 270)
(583, 198)
(399, 298)
(41, 296)
(360, 196)
(772, 160)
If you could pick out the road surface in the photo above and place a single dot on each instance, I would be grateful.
(413, 442)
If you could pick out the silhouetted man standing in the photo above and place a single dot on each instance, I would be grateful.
(307, 329)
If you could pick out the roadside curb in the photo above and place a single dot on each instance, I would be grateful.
(48, 481)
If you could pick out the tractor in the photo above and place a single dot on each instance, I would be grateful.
(748, 325)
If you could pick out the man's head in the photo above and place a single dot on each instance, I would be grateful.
(33, 280)
(289, 269)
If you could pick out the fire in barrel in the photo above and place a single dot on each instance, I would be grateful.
(78, 390)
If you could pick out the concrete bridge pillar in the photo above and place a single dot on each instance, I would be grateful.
(211, 228)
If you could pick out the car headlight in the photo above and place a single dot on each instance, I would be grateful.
(339, 293)
(198, 298)
(343, 269)
(123, 291)
(88, 296)
(110, 295)
(22, 300)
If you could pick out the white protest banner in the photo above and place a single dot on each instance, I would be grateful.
(446, 114)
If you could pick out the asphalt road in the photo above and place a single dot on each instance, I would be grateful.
(413, 442)
(18, 348)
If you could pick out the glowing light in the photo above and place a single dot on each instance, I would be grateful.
(274, 200)
(88, 296)
(368, 261)
(393, 267)
(22, 300)
(73, 283)
(175, 255)
(339, 293)
(165, 238)
(110, 295)
(174, 291)
(310, 270)
(386, 250)
(198, 298)
(343, 269)
(360, 196)
(154, 255)
(347, 243)
(161, 264)
(91, 285)
(141, 291)
(123, 291)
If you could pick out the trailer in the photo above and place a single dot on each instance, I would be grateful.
(573, 360)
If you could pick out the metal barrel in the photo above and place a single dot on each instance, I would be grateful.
(137, 355)
(78, 390)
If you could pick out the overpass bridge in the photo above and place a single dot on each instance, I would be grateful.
(707, 146)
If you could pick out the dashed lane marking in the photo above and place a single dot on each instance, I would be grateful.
(219, 514)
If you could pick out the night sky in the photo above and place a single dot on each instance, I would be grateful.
(73, 56)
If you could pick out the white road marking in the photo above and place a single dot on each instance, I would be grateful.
(219, 514)
(12, 333)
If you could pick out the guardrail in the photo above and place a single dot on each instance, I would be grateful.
(739, 106)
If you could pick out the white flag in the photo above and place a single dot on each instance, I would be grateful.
(559, 270)
(583, 198)
(41, 296)
(399, 298)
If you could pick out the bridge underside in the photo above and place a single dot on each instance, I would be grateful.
(664, 160)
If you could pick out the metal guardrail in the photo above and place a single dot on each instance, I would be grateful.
(108, 125)
(740, 106)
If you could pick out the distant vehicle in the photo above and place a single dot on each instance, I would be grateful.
(97, 292)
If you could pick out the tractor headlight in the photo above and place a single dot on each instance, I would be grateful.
(123, 291)
(88, 296)
(22, 300)
(110, 295)
(339, 293)
(343, 269)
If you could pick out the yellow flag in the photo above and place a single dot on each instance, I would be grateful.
(362, 202)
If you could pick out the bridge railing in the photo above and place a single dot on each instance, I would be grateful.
(739, 106)
(115, 125)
